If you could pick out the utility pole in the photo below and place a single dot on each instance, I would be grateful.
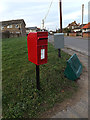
(60, 5)
(82, 17)
(42, 23)
(60, 2)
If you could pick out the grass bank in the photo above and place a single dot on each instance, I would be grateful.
(20, 97)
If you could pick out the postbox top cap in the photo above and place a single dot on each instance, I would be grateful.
(59, 34)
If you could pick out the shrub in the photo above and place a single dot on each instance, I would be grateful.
(6, 34)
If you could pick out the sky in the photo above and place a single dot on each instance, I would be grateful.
(33, 11)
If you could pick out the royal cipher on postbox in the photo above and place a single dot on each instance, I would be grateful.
(37, 43)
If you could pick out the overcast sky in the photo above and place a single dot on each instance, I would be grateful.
(33, 11)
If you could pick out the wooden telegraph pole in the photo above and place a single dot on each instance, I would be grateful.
(60, 3)
(60, 6)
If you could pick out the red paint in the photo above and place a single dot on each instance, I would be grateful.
(37, 42)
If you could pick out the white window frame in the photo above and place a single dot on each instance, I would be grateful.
(72, 27)
(16, 26)
(9, 26)
(2, 27)
(18, 32)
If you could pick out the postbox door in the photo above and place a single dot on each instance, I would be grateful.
(42, 54)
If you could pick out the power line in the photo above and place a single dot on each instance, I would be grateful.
(46, 15)
(48, 10)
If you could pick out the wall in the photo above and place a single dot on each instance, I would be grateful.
(23, 30)
(72, 34)
(86, 34)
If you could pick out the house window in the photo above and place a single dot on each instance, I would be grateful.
(2, 27)
(9, 26)
(17, 26)
(72, 27)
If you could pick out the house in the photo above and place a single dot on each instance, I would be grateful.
(78, 29)
(32, 29)
(86, 28)
(73, 25)
(14, 27)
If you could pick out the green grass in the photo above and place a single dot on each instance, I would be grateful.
(20, 97)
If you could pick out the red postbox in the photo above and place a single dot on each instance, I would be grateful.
(37, 47)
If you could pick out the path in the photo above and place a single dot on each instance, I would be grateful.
(77, 106)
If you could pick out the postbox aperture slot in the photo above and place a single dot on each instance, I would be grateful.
(42, 38)
(42, 41)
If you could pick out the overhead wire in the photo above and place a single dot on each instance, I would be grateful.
(48, 10)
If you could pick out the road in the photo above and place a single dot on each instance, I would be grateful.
(76, 43)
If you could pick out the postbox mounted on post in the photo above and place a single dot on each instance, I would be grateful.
(37, 50)
(37, 47)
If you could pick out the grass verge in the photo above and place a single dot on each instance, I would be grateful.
(20, 97)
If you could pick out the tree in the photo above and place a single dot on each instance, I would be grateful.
(66, 30)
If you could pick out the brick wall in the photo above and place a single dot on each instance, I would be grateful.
(72, 34)
(86, 34)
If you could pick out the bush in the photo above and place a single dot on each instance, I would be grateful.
(6, 34)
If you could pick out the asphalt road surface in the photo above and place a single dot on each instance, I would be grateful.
(76, 43)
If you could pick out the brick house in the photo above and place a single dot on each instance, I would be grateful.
(73, 25)
(79, 28)
(16, 28)
(86, 28)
